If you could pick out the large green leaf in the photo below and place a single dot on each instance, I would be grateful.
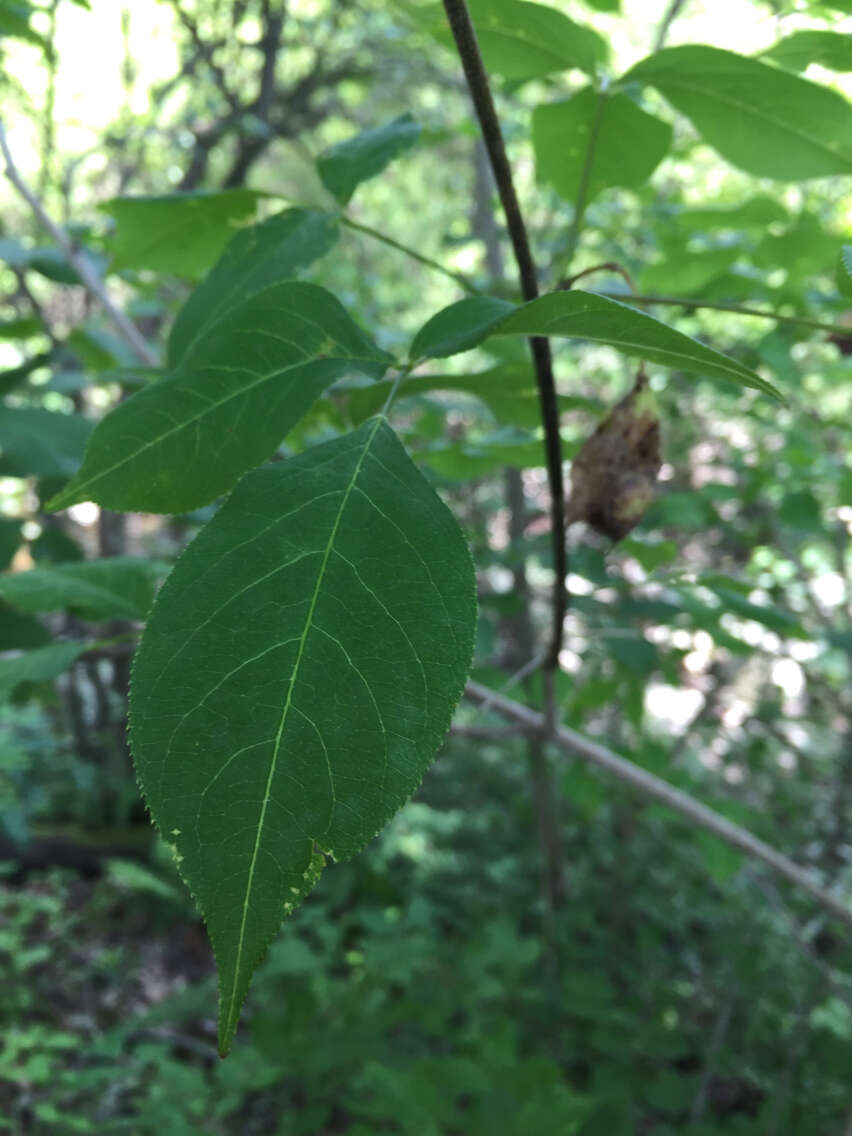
(764, 120)
(521, 40)
(120, 587)
(344, 166)
(181, 233)
(625, 143)
(297, 675)
(585, 315)
(37, 665)
(257, 257)
(832, 50)
(183, 441)
(41, 443)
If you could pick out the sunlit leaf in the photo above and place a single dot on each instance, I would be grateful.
(521, 40)
(181, 233)
(832, 50)
(761, 119)
(597, 140)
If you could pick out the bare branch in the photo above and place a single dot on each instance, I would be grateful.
(91, 281)
(658, 790)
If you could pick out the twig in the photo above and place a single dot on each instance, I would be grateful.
(524, 672)
(486, 733)
(734, 309)
(91, 281)
(658, 790)
(459, 277)
(607, 266)
(480, 91)
(672, 12)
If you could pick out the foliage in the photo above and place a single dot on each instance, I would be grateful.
(523, 948)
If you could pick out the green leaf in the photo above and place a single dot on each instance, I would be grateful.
(465, 461)
(832, 50)
(627, 143)
(185, 440)
(459, 327)
(10, 540)
(257, 257)
(15, 22)
(757, 213)
(37, 665)
(41, 443)
(844, 271)
(584, 315)
(119, 587)
(16, 376)
(297, 674)
(772, 617)
(22, 328)
(763, 120)
(19, 630)
(688, 273)
(520, 40)
(344, 166)
(182, 233)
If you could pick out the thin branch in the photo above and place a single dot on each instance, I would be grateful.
(672, 12)
(480, 91)
(658, 790)
(734, 309)
(460, 279)
(91, 281)
(607, 266)
(525, 671)
(486, 733)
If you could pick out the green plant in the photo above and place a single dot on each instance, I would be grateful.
(303, 660)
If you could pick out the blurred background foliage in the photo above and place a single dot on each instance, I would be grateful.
(526, 948)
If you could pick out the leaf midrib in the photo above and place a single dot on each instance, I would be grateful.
(233, 1009)
(743, 375)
